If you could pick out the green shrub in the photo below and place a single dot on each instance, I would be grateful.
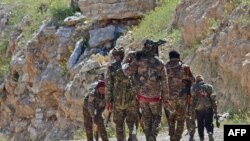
(238, 117)
(4, 66)
(38, 11)
(154, 25)
(60, 10)
(3, 45)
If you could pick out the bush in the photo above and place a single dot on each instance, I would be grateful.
(238, 117)
(154, 25)
(60, 10)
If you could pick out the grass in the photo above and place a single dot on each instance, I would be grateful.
(4, 66)
(243, 20)
(238, 117)
(154, 25)
(238, 2)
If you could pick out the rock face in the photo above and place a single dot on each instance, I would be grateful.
(223, 57)
(115, 9)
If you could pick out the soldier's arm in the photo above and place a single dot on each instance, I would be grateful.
(212, 96)
(129, 64)
(164, 83)
(109, 85)
(91, 104)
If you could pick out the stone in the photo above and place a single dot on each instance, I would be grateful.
(74, 57)
(73, 20)
(20, 126)
(113, 9)
(101, 35)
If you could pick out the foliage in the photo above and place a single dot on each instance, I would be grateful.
(63, 66)
(154, 24)
(191, 50)
(243, 20)
(238, 117)
(38, 11)
(4, 66)
(4, 44)
(60, 10)
(238, 2)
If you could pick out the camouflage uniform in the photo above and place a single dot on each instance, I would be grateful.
(204, 104)
(119, 94)
(178, 92)
(190, 124)
(94, 105)
(150, 79)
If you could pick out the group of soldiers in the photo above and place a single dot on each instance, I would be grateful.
(139, 86)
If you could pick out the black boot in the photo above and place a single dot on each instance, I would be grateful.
(132, 137)
(151, 138)
(210, 136)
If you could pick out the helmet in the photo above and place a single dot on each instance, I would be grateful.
(118, 51)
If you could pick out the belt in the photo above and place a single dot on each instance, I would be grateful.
(143, 98)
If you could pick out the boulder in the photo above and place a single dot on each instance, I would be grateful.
(113, 9)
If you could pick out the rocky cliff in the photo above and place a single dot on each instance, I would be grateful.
(221, 31)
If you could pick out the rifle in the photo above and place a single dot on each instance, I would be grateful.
(151, 45)
(188, 85)
(96, 127)
(217, 118)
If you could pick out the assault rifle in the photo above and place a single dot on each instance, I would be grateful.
(151, 45)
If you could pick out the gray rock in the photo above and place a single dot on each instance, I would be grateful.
(114, 9)
(101, 35)
(74, 57)
(73, 20)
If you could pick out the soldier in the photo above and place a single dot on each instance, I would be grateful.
(205, 105)
(179, 79)
(119, 94)
(150, 82)
(94, 105)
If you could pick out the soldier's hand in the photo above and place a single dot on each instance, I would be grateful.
(166, 104)
(129, 58)
(109, 106)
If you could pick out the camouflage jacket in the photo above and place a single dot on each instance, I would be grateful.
(118, 87)
(180, 79)
(149, 76)
(95, 103)
(203, 96)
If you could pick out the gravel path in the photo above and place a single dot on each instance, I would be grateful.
(218, 136)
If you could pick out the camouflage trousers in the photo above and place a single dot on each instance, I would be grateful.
(130, 115)
(151, 117)
(88, 124)
(190, 124)
(176, 120)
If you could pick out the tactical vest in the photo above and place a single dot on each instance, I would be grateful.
(122, 95)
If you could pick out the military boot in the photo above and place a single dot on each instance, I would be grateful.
(191, 138)
(151, 138)
(210, 136)
(132, 137)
